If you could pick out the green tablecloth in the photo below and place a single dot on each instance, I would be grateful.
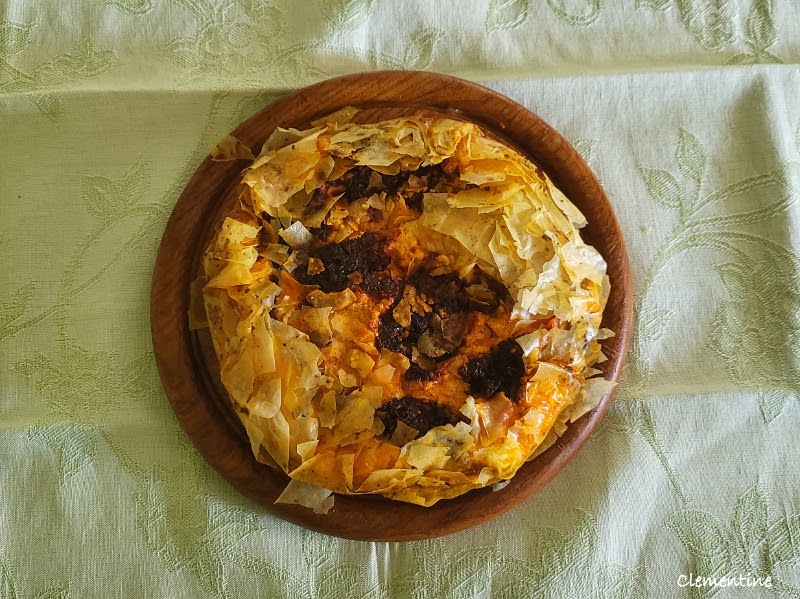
(688, 111)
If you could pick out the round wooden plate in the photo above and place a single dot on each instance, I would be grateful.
(188, 368)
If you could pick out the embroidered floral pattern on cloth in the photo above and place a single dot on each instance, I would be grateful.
(686, 109)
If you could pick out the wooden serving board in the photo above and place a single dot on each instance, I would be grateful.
(189, 370)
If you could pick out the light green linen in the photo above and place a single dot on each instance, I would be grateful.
(107, 107)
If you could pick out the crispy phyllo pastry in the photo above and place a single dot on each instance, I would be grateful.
(403, 308)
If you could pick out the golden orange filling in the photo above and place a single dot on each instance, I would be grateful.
(403, 308)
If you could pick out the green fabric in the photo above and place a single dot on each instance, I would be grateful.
(687, 110)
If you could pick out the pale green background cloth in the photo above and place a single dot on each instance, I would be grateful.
(689, 112)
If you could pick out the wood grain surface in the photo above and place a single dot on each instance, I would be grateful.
(188, 368)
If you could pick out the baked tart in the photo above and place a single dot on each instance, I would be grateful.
(403, 308)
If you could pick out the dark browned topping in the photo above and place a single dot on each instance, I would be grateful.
(446, 292)
(391, 335)
(322, 232)
(415, 202)
(364, 254)
(417, 413)
(416, 372)
(419, 326)
(433, 173)
(501, 369)
(435, 334)
(380, 285)
(393, 183)
(354, 183)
